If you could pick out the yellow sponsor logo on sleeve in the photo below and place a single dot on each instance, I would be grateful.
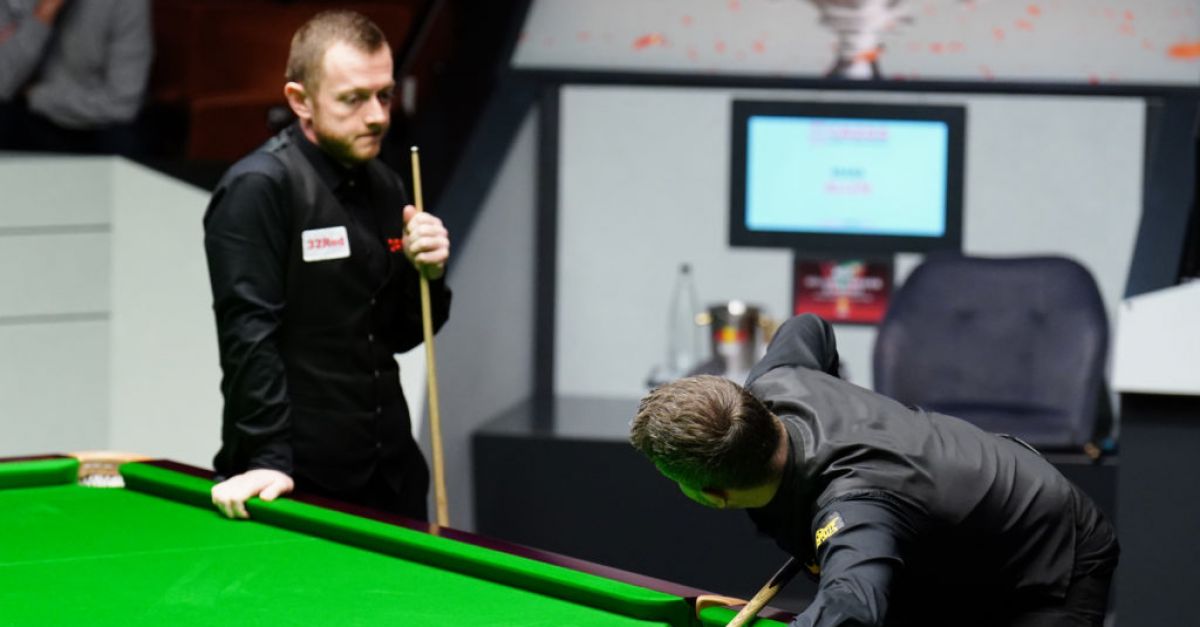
(832, 525)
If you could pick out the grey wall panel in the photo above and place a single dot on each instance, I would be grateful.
(165, 370)
(41, 191)
(54, 256)
(53, 387)
(1056, 175)
(54, 273)
(643, 187)
(485, 351)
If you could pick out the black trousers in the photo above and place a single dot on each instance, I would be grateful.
(1086, 601)
(1084, 605)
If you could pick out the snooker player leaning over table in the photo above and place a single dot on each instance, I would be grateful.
(313, 293)
(906, 517)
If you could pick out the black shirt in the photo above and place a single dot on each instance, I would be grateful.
(313, 295)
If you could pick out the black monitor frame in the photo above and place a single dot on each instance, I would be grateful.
(847, 245)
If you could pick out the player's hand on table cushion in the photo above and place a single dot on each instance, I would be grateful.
(230, 496)
(706, 601)
(426, 242)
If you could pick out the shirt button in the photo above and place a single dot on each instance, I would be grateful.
(379, 445)
(378, 409)
(370, 337)
(372, 302)
(376, 374)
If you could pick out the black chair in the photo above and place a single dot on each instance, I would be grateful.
(1012, 345)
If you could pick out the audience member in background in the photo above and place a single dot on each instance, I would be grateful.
(73, 73)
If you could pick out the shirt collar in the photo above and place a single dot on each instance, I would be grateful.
(791, 483)
(332, 173)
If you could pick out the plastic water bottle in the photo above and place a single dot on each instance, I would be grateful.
(684, 341)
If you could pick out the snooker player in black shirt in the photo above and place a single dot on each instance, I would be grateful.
(314, 255)
(906, 517)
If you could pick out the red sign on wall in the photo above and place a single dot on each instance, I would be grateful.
(843, 291)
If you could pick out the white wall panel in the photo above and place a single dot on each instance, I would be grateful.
(1080, 42)
(41, 191)
(485, 351)
(166, 399)
(644, 187)
(54, 273)
(53, 387)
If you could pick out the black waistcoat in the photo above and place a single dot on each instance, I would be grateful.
(343, 320)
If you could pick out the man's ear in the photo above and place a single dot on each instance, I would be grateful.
(298, 100)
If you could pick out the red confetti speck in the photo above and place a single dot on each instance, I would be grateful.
(719, 46)
(760, 46)
(1128, 15)
(955, 47)
(1188, 50)
(936, 47)
(583, 35)
(1093, 79)
(1126, 28)
(692, 55)
(687, 20)
(986, 72)
(734, 5)
(998, 34)
(1147, 44)
(1024, 24)
(649, 41)
(1033, 10)
(868, 56)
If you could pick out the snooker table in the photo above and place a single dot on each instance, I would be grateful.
(155, 550)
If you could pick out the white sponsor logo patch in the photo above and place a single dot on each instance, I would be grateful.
(325, 244)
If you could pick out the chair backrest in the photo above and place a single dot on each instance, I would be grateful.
(1013, 345)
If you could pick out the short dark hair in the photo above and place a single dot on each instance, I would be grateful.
(320, 33)
(707, 432)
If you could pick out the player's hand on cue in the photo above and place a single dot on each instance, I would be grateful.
(426, 242)
(230, 496)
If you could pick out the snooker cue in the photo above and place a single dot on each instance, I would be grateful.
(767, 593)
(435, 423)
